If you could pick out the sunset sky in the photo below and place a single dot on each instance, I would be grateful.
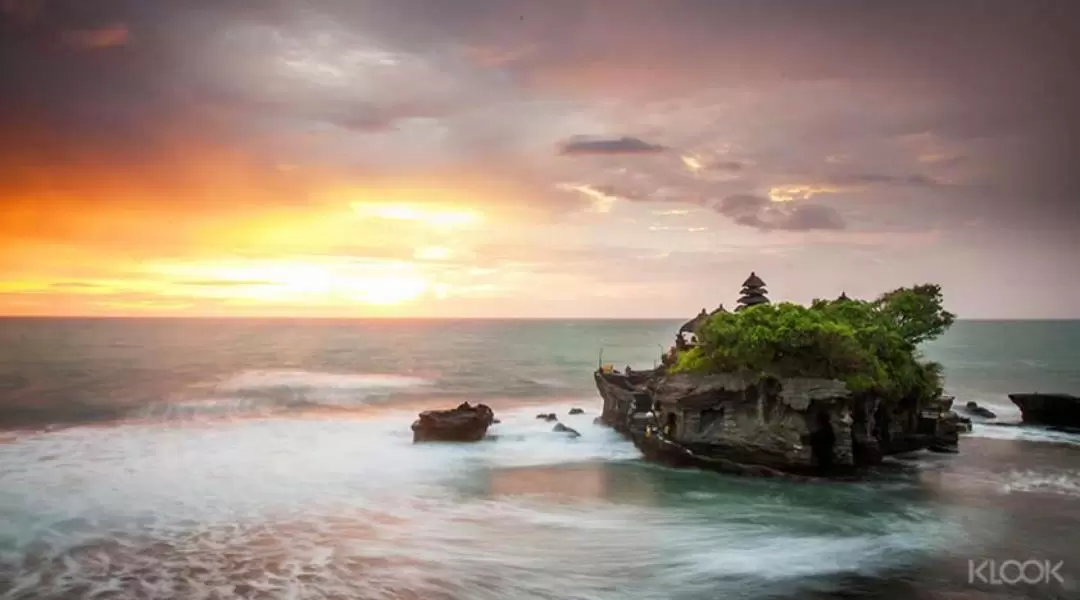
(466, 158)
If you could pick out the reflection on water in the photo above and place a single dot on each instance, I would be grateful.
(578, 484)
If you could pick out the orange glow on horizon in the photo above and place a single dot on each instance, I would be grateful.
(377, 250)
(436, 217)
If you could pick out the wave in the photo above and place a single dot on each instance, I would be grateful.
(1000, 404)
(263, 392)
(351, 508)
(315, 380)
(1031, 481)
(1027, 433)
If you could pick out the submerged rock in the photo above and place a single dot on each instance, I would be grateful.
(577, 411)
(979, 411)
(560, 428)
(547, 417)
(1061, 410)
(462, 424)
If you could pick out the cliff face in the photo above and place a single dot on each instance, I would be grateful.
(624, 396)
(792, 424)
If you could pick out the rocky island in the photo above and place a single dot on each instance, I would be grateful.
(789, 390)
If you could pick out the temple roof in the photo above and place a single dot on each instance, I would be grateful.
(692, 325)
(843, 296)
(750, 300)
(753, 281)
(719, 309)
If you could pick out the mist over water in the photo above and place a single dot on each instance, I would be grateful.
(274, 460)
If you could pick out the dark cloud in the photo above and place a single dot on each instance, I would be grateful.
(881, 179)
(259, 75)
(762, 213)
(621, 145)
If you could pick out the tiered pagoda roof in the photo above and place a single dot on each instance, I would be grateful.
(753, 292)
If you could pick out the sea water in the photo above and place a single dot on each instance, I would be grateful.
(273, 459)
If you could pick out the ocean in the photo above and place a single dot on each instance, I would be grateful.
(190, 458)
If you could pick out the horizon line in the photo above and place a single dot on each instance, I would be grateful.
(422, 318)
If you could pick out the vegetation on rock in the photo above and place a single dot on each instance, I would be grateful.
(871, 345)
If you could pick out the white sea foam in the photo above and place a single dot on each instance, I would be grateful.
(303, 380)
(265, 392)
(1067, 483)
(1005, 410)
(350, 508)
(1025, 433)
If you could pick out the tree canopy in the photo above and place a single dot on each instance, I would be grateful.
(871, 345)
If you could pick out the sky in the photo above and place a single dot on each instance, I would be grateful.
(546, 158)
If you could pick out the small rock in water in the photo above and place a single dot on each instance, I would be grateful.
(979, 411)
(547, 417)
(496, 422)
(560, 428)
(462, 424)
(577, 411)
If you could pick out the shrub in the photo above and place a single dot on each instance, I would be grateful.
(872, 346)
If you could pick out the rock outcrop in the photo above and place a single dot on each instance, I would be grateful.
(793, 424)
(560, 428)
(462, 424)
(803, 426)
(973, 408)
(1059, 410)
(624, 396)
(948, 440)
(577, 411)
(547, 417)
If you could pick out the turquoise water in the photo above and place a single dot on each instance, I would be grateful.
(987, 360)
(273, 459)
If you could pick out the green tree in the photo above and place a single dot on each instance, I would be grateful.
(916, 312)
(872, 346)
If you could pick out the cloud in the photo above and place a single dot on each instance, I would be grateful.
(602, 197)
(761, 213)
(726, 165)
(585, 145)
(917, 180)
(224, 282)
(695, 165)
(942, 159)
(109, 36)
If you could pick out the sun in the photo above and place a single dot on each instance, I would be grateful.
(389, 291)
